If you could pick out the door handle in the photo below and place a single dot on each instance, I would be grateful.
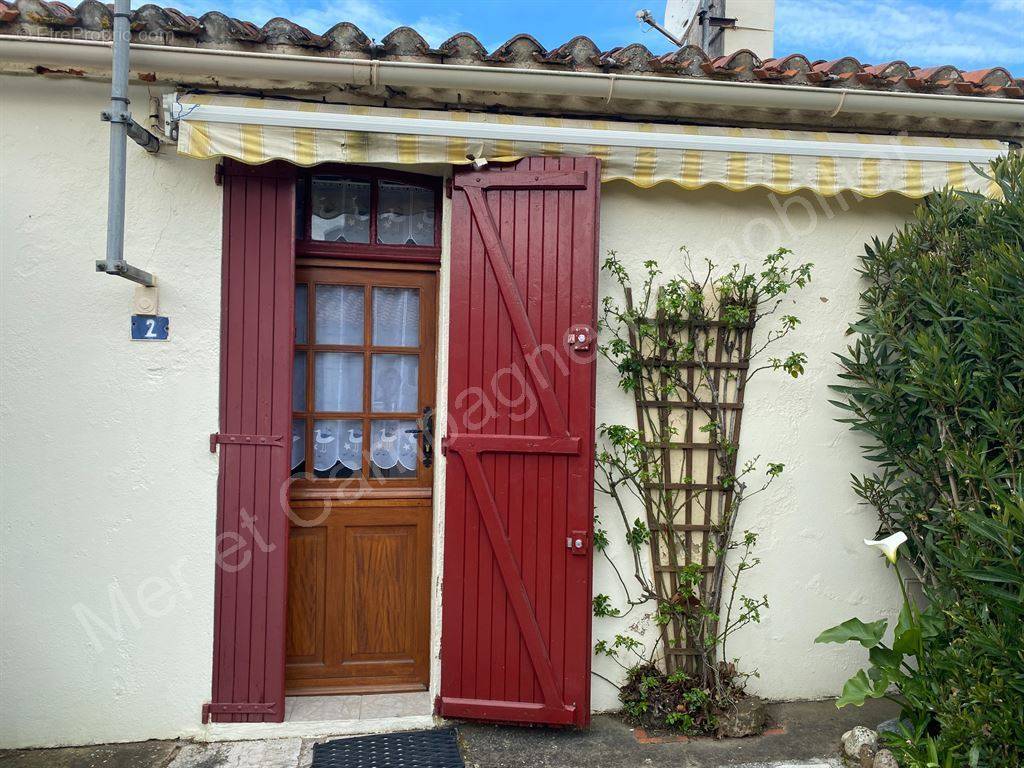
(426, 429)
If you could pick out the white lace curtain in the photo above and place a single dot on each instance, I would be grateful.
(405, 215)
(341, 210)
(396, 317)
(391, 444)
(338, 379)
(341, 441)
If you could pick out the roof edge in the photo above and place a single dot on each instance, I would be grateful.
(594, 86)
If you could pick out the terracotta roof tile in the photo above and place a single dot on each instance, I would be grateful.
(522, 51)
(153, 18)
(633, 59)
(349, 40)
(52, 14)
(8, 12)
(580, 52)
(280, 31)
(168, 26)
(463, 47)
(784, 67)
(407, 43)
(738, 65)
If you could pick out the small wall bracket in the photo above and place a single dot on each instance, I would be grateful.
(136, 132)
(127, 271)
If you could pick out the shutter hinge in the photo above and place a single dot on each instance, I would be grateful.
(272, 441)
(449, 184)
(239, 708)
(218, 174)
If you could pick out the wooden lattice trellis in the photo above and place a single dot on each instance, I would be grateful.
(692, 376)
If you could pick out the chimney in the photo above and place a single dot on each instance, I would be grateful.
(729, 26)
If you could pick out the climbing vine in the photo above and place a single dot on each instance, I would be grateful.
(685, 348)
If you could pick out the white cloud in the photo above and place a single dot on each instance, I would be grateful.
(967, 33)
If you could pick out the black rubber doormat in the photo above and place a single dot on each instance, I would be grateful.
(412, 749)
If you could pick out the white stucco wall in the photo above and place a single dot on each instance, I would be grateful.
(108, 486)
(815, 570)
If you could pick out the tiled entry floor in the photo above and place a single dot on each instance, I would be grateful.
(369, 707)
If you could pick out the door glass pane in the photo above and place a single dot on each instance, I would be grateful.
(339, 314)
(395, 384)
(394, 450)
(341, 210)
(301, 313)
(337, 447)
(299, 382)
(405, 214)
(298, 446)
(338, 381)
(396, 317)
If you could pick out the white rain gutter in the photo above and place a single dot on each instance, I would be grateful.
(458, 77)
(290, 118)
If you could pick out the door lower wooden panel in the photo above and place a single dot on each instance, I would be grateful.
(359, 584)
(307, 571)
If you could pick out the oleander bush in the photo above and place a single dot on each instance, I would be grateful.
(934, 380)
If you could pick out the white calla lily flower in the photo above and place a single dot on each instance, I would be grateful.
(889, 544)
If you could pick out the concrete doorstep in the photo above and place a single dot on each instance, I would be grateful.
(807, 736)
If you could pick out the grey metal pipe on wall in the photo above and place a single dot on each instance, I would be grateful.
(118, 139)
(121, 127)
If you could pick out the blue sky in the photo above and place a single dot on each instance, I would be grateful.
(970, 34)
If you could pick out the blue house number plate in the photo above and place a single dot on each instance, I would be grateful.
(150, 327)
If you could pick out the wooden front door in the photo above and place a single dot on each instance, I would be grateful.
(358, 617)
(520, 443)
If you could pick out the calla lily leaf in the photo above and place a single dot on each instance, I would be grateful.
(904, 622)
(859, 688)
(885, 658)
(908, 641)
(868, 635)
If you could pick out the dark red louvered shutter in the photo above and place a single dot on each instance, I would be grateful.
(520, 445)
(257, 295)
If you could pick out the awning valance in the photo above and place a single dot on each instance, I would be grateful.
(306, 133)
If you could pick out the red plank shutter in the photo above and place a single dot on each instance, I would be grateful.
(519, 478)
(257, 295)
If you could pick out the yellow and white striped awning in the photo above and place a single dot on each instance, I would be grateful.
(259, 130)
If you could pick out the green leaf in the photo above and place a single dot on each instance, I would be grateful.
(908, 642)
(886, 658)
(868, 635)
(904, 621)
(859, 688)
(931, 622)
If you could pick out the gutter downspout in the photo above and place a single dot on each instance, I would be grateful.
(121, 126)
(292, 68)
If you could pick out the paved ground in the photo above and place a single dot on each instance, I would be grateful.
(809, 738)
(811, 732)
